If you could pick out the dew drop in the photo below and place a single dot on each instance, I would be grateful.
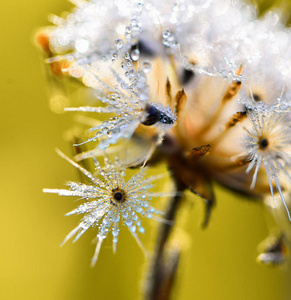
(128, 223)
(114, 56)
(132, 228)
(127, 30)
(147, 67)
(115, 233)
(135, 54)
(118, 44)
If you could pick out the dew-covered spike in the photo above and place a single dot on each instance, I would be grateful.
(96, 254)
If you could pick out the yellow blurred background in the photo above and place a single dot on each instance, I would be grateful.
(218, 263)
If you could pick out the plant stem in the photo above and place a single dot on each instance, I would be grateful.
(165, 261)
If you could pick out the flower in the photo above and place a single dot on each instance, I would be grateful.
(128, 97)
(109, 200)
(268, 144)
(204, 74)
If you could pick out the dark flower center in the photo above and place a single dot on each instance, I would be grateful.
(118, 195)
(263, 143)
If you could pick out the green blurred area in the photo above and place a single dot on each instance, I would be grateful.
(217, 263)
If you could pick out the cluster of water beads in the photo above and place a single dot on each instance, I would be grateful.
(169, 39)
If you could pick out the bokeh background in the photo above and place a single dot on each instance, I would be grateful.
(217, 263)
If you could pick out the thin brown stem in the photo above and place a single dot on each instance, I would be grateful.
(165, 261)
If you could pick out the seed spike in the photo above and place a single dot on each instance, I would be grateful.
(97, 251)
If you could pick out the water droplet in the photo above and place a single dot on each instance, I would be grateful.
(132, 228)
(169, 39)
(135, 55)
(115, 233)
(149, 215)
(133, 22)
(147, 67)
(128, 223)
(127, 29)
(166, 33)
(138, 209)
(118, 44)
(105, 130)
(114, 56)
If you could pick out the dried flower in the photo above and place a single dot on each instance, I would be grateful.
(208, 86)
(268, 144)
(109, 200)
(128, 98)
